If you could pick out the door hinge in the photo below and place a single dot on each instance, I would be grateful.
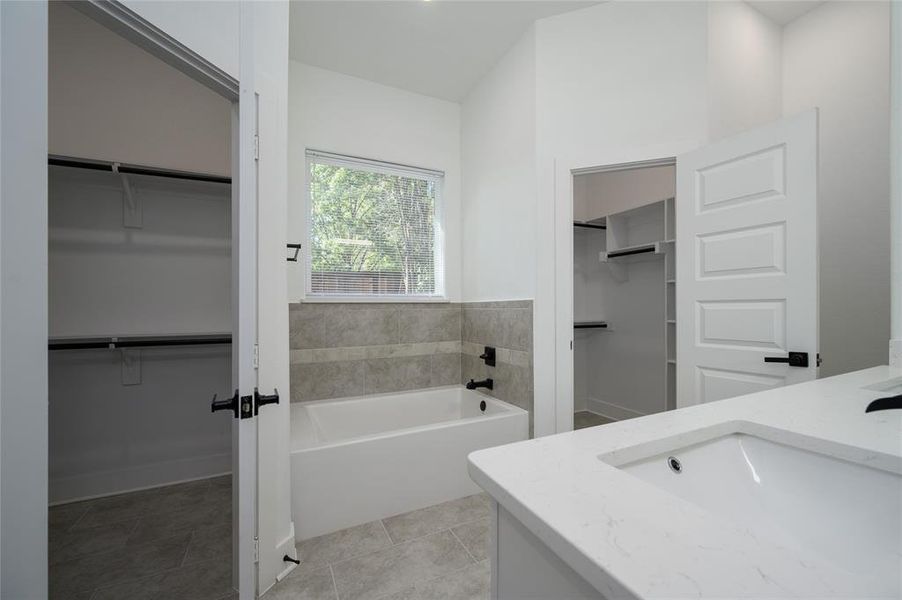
(256, 147)
(256, 550)
(256, 356)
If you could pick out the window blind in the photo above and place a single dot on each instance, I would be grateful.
(374, 229)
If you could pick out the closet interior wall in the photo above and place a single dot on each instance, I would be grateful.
(621, 370)
(134, 255)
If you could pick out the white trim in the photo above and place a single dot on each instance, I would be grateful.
(117, 17)
(895, 354)
(379, 166)
(628, 166)
(314, 299)
(554, 371)
(610, 410)
(115, 482)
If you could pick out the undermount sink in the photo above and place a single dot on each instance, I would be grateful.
(842, 512)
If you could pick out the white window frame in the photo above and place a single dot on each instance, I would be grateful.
(377, 166)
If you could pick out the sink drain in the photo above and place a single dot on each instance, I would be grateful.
(675, 465)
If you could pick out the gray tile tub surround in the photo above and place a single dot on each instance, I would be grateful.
(343, 349)
(346, 324)
(353, 349)
(507, 326)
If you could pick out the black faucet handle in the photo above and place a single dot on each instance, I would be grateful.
(893, 402)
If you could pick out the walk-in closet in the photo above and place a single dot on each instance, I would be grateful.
(140, 269)
(624, 342)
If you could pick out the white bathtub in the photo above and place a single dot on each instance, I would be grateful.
(354, 460)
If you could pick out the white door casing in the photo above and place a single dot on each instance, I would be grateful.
(244, 315)
(746, 267)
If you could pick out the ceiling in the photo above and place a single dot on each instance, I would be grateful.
(782, 12)
(439, 48)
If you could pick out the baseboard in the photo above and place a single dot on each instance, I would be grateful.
(611, 411)
(288, 547)
(108, 483)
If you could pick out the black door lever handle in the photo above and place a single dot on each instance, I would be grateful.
(261, 400)
(795, 359)
(229, 404)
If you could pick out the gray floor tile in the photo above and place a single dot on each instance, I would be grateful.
(344, 544)
(584, 418)
(470, 583)
(62, 517)
(162, 524)
(421, 522)
(475, 538)
(210, 542)
(222, 481)
(117, 566)
(392, 570)
(72, 544)
(304, 583)
(209, 580)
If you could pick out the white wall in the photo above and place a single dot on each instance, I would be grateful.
(106, 437)
(107, 95)
(836, 57)
(346, 115)
(744, 68)
(23, 301)
(598, 195)
(498, 150)
(617, 82)
(171, 276)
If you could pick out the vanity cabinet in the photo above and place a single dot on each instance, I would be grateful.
(524, 567)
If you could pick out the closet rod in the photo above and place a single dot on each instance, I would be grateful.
(111, 167)
(589, 226)
(112, 343)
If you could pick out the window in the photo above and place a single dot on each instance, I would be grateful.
(374, 229)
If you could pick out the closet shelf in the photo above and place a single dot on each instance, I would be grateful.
(650, 248)
(590, 325)
(138, 341)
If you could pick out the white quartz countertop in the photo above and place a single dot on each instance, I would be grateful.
(631, 539)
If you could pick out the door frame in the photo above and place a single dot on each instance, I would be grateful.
(241, 93)
(29, 566)
(564, 287)
(559, 315)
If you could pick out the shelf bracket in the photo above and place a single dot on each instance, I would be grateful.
(132, 215)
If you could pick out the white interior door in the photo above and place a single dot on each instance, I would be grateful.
(746, 228)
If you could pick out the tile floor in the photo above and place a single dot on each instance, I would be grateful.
(584, 418)
(435, 553)
(171, 543)
(174, 543)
